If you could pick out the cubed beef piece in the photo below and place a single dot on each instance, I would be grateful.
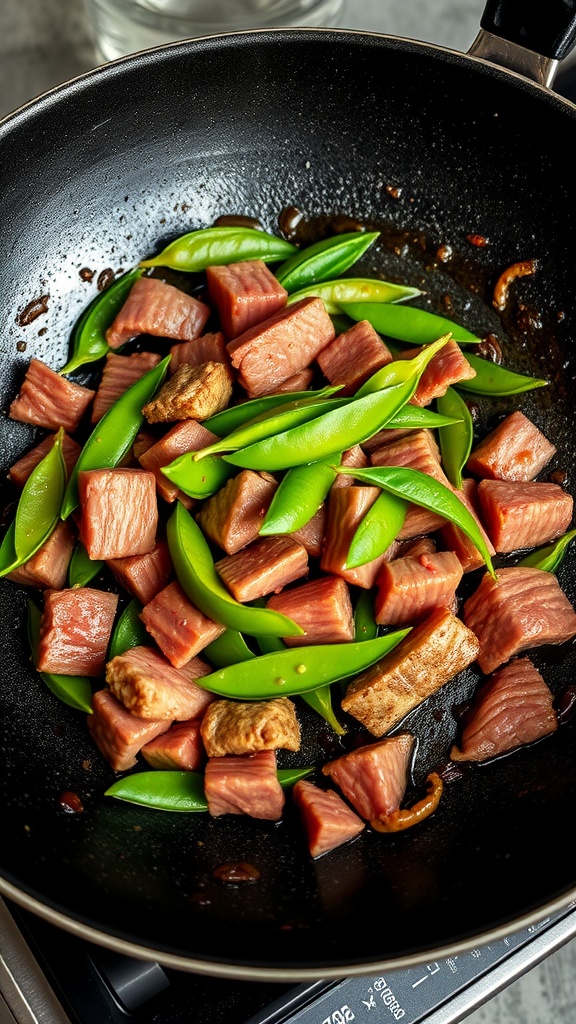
(299, 381)
(374, 777)
(272, 351)
(180, 748)
(513, 707)
(233, 516)
(233, 727)
(244, 294)
(179, 628)
(150, 687)
(328, 820)
(430, 655)
(263, 567)
(119, 512)
(385, 436)
(157, 308)
(144, 576)
(419, 521)
(323, 609)
(191, 393)
(244, 785)
(521, 609)
(415, 547)
(20, 471)
(515, 450)
(346, 508)
(208, 348)
(75, 631)
(523, 515)
(447, 367)
(46, 399)
(142, 442)
(119, 735)
(354, 457)
(410, 588)
(188, 436)
(311, 535)
(48, 568)
(457, 541)
(119, 373)
(353, 356)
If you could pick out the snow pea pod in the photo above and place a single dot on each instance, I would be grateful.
(324, 259)
(177, 790)
(75, 691)
(354, 289)
(497, 381)
(400, 370)
(197, 576)
(82, 569)
(456, 439)
(416, 416)
(298, 670)
(208, 247)
(299, 496)
(375, 532)
(365, 625)
(198, 479)
(115, 432)
(129, 630)
(424, 490)
(230, 419)
(320, 700)
(550, 556)
(407, 323)
(89, 340)
(228, 648)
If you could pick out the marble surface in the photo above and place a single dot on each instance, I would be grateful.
(46, 42)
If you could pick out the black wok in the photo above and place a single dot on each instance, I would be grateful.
(432, 146)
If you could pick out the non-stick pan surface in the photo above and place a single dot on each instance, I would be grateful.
(432, 147)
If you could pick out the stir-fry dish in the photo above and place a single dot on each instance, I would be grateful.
(269, 495)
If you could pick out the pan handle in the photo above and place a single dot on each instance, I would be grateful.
(517, 35)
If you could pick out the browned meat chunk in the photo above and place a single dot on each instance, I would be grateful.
(48, 400)
(433, 653)
(178, 749)
(374, 778)
(513, 707)
(515, 450)
(157, 308)
(346, 508)
(233, 516)
(119, 512)
(299, 381)
(187, 436)
(271, 352)
(447, 367)
(20, 471)
(179, 628)
(263, 567)
(410, 588)
(233, 727)
(49, 566)
(244, 294)
(523, 515)
(118, 374)
(75, 631)
(191, 393)
(322, 608)
(355, 458)
(208, 348)
(144, 576)
(150, 687)
(523, 608)
(244, 785)
(328, 820)
(457, 541)
(119, 735)
(353, 357)
(312, 534)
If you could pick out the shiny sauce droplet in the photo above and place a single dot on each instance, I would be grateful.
(105, 278)
(33, 310)
(236, 220)
(70, 802)
(566, 705)
(237, 872)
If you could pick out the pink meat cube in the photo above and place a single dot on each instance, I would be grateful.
(47, 399)
(354, 457)
(244, 294)
(179, 628)
(346, 508)
(180, 748)
(523, 514)
(157, 308)
(447, 367)
(233, 516)
(119, 735)
(374, 777)
(409, 589)
(263, 567)
(457, 541)
(515, 450)
(75, 630)
(118, 374)
(244, 784)
(353, 357)
(187, 436)
(144, 576)
(20, 470)
(328, 820)
(119, 512)
(323, 609)
(207, 348)
(48, 568)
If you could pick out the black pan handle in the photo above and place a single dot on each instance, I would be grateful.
(547, 27)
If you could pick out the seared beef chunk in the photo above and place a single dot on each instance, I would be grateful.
(150, 687)
(158, 308)
(374, 778)
(322, 607)
(328, 820)
(234, 727)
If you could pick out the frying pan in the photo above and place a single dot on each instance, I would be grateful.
(433, 147)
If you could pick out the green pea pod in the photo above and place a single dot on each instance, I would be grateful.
(400, 370)
(227, 649)
(322, 260)
(415, 417)
(424, 490)
(380, 525)
(177, 790)
(456, 439)
(299, 496)
(208, 247)
(354, 289)
(269, 644)
(230, 419)
(320, 700)
(288, 776)
(82, 569)
(298, 670)
(115, 432)
(549, 557)
(365, 625)
(496, 381)
(75, 691)
(407, 323)
(8, 558)
(198, 479)
(198, 578)
(89, 340)
(129, 630)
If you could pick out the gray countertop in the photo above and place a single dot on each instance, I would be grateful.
(46, 42)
